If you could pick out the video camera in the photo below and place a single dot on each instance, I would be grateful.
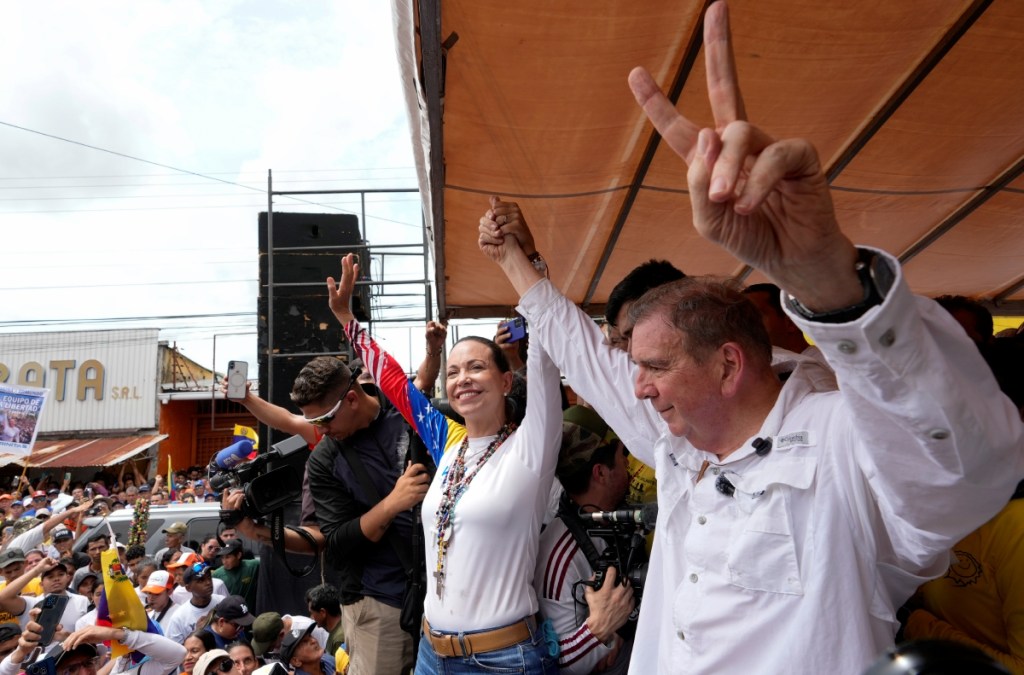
(270, 481)
(624, 532)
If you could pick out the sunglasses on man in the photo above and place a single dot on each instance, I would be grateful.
(328, 417)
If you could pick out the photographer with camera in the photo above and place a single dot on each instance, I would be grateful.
(363, 495)
(592, 468)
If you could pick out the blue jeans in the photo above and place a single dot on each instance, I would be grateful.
(529, 656)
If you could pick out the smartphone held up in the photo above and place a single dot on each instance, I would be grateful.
(238, 375)
(516, 329)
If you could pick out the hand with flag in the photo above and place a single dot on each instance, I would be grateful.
(119, 606)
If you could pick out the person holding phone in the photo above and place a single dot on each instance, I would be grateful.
(162, 655)
(488, 461)
(28, 643)
(54, 578)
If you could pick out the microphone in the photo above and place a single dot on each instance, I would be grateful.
(762, 446)
(233, 455)
(645, 514)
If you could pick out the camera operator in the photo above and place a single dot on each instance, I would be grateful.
(592, 468)
(363, 500)
(339, 407)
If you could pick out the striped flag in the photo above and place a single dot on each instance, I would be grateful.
(172, 493)
(120, 606)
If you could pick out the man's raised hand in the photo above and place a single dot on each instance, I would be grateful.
(765, 201)
(339, 295)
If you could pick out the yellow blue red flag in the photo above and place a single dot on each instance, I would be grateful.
(120, 605)
(249, 433)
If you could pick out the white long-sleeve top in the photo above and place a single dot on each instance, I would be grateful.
(865, 490)
(496, 526)
(165, 655)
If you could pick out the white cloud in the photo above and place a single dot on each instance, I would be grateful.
(231, 87)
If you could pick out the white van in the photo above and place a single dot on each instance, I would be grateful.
(202, 520)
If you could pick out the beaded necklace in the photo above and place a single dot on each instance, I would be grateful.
(454, 484)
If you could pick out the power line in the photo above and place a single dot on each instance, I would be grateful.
(139, 159)
(148, 264)
(200, 207)
(209, 173)
(179, 196)
(124, 285)
(250, 187)
(35, 323)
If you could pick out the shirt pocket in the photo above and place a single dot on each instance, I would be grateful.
(763, 555)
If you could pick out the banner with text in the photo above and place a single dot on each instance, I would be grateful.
(20, 408)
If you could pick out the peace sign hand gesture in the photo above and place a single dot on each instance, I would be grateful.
(765, 201)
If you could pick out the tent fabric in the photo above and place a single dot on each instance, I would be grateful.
(916, 109)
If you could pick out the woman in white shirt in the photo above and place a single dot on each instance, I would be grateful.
(483, 510)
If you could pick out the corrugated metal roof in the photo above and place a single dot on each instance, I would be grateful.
(85, 451)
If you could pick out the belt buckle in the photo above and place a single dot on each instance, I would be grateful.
(449, 640)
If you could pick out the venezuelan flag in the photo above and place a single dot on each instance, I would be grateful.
(120, 606)
(172, 493)
(243, 433)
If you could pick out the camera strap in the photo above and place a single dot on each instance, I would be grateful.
(410, 553)
(402, 550)
(567, 512)
(277, 528)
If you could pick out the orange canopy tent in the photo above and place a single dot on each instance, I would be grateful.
(916, 108)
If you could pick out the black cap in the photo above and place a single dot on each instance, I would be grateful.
(59, 567)
(291, 640)
(233, 608)
(88, 574)
(230, 546)
(10, 556)
(191, 574)
(8, 631)
(83, 649)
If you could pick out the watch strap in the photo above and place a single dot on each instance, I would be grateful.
(876, 277)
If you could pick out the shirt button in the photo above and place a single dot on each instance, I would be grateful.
(939, 434)
(887, 338)
(715, 471)
(847, 346)
(701, 520)
(681, 636)
(693, 578)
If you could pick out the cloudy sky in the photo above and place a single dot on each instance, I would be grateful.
(223, 88)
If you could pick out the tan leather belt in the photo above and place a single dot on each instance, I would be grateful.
(475, 643)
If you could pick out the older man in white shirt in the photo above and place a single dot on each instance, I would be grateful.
(792, 520)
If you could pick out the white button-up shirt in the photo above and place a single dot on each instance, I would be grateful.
(857, 503)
